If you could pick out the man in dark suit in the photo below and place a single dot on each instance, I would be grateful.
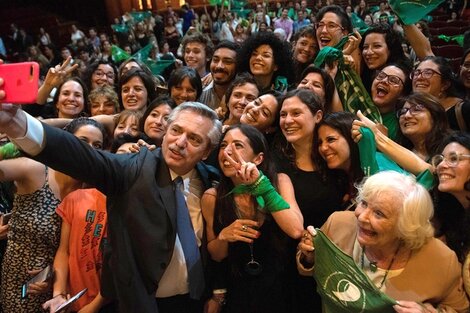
(144, 263)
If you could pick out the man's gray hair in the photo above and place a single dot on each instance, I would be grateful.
(201, 109)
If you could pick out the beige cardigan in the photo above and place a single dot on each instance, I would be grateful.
(432, 274)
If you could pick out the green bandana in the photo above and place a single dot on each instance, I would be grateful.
(143, 54)
(457, 38)
(118, 54)
(412, 11)
(358, 22)
(373, 161)
(268, 199)
(342, 285)
(119, 28)
(140, 16)
(157, 67)
(351, 91)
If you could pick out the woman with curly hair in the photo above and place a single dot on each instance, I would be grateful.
(100, 73)
(268, 59)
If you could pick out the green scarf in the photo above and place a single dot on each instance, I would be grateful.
(342, 285)
(412, 11)
(351, 91)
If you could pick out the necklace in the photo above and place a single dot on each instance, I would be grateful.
(373, 265)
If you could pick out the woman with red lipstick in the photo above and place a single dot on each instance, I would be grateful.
(389, 237)
(247, 237)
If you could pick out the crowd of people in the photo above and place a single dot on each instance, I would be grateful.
(195, 188)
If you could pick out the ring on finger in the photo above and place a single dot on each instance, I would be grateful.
(244, 228)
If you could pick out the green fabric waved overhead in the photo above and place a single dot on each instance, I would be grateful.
(457, 38)
(351, 91)
(118, 54)
(343, 286)
(412, 11)
(140, 16)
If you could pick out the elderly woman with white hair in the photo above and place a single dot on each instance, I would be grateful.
(389, 237)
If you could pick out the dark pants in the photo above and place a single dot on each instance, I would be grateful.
(179, 304)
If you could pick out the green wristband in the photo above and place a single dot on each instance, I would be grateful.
(9, 151)
(266, 195)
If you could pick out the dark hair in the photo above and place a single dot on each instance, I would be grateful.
(142, 66)
(406, 68)
(161, 100)
(225, 209)
(440, 126)
(147, 80)
(424, 28)
(341, 122)
(228, 45)
(93, 67)
(328, 83)
(393, 39)
(313, 103)
(464, 56)
(451, 219)
(282, 54)
(177, 77)
(447, 75)
(240, 80)
(122, 139)
(202, 39)
(307, 31)
(340, 12)
(74, 125)
(55, 99)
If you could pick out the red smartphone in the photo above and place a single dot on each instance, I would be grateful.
(20, 82)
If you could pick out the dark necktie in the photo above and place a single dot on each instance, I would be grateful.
(188, 241)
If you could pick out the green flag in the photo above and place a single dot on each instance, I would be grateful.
(358, 22)
(120, 28)
(351, 91)
(118, 54)
(143, 54)
(411, 11)
(157, 67)
(457, 38)
(373, 161)
(342, 285)
(140, 16)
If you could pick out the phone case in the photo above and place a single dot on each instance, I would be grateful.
(20, 82)
(4, 218)
(42, 276)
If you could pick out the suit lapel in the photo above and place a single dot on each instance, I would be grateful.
(165, 188)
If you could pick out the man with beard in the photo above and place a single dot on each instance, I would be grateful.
(155, 226)
(223, 68)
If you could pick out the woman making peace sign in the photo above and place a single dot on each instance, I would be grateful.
(248, 222)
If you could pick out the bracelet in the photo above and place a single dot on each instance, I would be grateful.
(60, 294)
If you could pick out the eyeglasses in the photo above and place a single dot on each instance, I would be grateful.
(415, 109)
(452, 159)
(330, 26)
(391, 79)
(465, 66)
(101, 73)
(426, 73)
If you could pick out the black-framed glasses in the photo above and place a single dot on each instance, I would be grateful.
(426, 73)
(391, 79)
(414, 109)
(330, 26)
(452, 159)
